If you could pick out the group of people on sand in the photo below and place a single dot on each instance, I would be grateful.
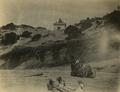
(59, 85)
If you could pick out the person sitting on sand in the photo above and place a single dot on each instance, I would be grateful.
(80, 87)
(56, 86)
(61, 82)
(50, 84)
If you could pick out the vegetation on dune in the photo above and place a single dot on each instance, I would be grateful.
(26, 34)
(36, 37)
(9, 38)
(113, 17)
(72, 31)
(10, 26)
(26, 26)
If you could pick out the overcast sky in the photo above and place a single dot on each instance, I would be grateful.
(45, 12)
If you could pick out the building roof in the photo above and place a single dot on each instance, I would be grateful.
(60, 22)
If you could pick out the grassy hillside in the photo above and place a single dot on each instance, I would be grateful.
(90, 40)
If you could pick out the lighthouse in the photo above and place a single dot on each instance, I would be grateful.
(59, 25)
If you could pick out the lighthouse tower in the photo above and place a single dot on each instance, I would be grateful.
(59, 25)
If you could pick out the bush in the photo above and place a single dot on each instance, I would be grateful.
(85, 24)
(72, 31)
(113, 17)
(10, 26)
(26, 34)
(9, 38)
(36, 37)
(82, 70)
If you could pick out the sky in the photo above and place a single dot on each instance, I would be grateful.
(45, 12)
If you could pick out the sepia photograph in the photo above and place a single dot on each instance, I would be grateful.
(59, 45)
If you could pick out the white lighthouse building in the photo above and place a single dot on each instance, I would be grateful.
(59, 24)
(58, 28)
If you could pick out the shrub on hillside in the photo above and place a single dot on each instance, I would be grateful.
(85, 24)
(72, 31)
(9, 38)
(10, 26)
(36, 37)
(113, 17)
(26, 34)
